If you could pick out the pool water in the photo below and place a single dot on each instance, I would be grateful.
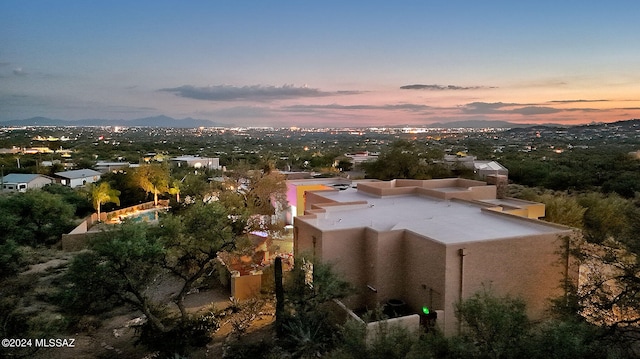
(148, 215)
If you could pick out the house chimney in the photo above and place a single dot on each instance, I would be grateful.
(501, 182)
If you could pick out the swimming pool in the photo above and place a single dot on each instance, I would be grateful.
(147, 215)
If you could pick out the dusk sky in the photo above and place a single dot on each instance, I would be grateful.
(321, 63)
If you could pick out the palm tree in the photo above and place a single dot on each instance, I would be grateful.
(175, 189)
(103, 193)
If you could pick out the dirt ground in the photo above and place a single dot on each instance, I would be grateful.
(115, 336)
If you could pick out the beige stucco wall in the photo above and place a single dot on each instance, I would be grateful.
(526, 267)
(246, 286)
(469, 189)
(424, 272)
(383, 266)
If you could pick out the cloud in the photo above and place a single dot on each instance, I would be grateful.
(256, 92)
(440, 87)
(18, 71)
(402, 107)
(535, 110)
(577, 101)
(484, 108)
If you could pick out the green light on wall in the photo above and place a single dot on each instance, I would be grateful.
(425, 310)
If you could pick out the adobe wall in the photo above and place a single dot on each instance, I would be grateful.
(246, 286)
(385, 256)
(301, 192)
(346, 250)
(483, 191)
(469, 189)
(312, 198)
(303, 238)
(423, 269)
(527, 267)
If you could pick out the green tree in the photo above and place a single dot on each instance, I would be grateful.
(307, 328)
(605, 216)
(192, 241)
(120, 267)
(130, 191)
(563, 209)
(78, 199)
(388, 342)
(401, 160)
(255, 197)
(103, 193)
(35, 217)
(11, 258)
(153, 179)
(568, 339)
(497, 325)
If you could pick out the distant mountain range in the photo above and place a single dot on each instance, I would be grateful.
(156, 121)
(478, 124)
(166, 121)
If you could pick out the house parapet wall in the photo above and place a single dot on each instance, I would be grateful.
(447, 188)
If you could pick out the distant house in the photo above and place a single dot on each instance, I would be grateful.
(20, 182)
(481, 169)
(212, 163)
(359, 158)
(77, 178)
(105, 167)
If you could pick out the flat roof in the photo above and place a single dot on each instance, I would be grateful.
(445, 221)
(192, 158)
(81, 173)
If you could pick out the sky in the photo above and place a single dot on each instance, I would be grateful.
(321, 63)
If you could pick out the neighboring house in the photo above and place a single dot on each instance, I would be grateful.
(20, 182)
(359, 158)
(105, 167)
(212, 163)
(76, 178)
(433, 243)
(481, 169)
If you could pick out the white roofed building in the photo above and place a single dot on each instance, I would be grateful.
(76, 178)
(212, 163)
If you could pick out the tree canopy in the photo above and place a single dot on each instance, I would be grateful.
(103, 193)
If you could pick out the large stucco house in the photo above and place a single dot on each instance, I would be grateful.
(432, 243)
